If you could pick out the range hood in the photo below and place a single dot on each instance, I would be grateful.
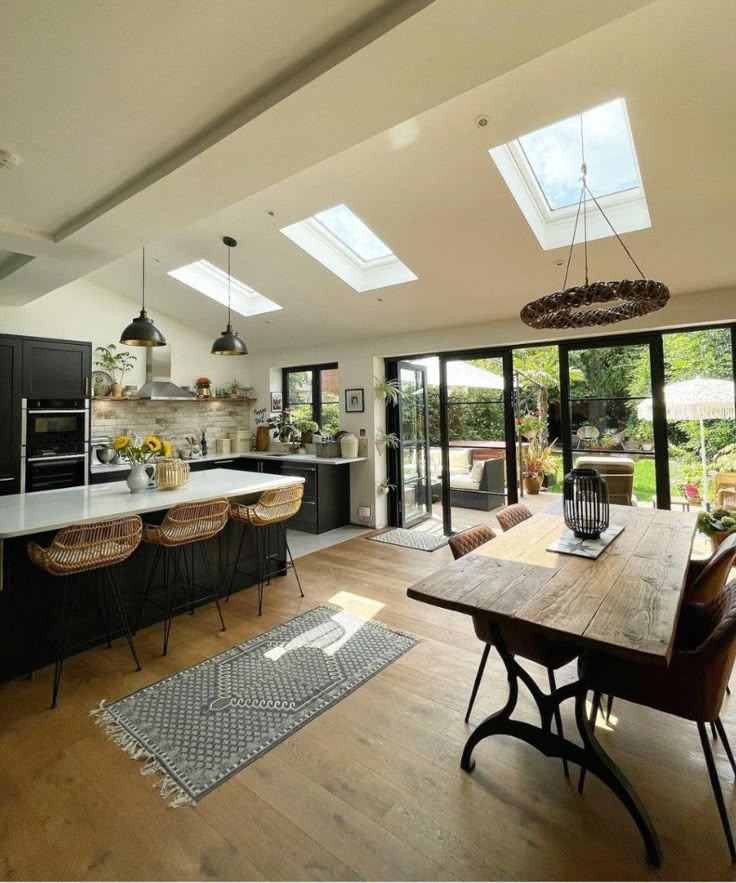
(158, 385)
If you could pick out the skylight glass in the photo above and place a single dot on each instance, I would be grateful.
(353, 233)
(542, 171)
(211, 281)
(554, 155)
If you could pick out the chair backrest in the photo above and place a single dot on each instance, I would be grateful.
(618, 474)
(512, 515)
(710, 663)
(469, 539)
(713, 575)
(725, 489)
(81, 547)
(192, 522)
(588, 432)
(272, 506)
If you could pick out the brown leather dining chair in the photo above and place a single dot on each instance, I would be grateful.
(512, 515)
(552, 655)
(691, 687)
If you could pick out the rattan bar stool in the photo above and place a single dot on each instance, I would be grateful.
(272, 510)
(184, 527)
(93, 548)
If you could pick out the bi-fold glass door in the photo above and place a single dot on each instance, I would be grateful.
(415, 482)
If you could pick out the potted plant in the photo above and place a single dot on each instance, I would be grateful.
(386, 440)
(263, 433)
(383, 487)
(388, 390)
(203, 385)
(529, 426)
(538, 462)
(117, 363)
(281, 426)
(140, 454)
(717, 525)
(307, 429)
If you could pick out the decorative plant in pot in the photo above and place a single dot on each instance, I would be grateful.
(203, 385)
(117, 363)
(140, 453)
(307, 429)
(538, 462)
(717, 524)
(281, 426)
(387, 389)
(385, 440)
(530, 426)
(263, 430)
(383, 487)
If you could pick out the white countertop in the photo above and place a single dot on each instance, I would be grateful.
(23, 514)
(98, 468)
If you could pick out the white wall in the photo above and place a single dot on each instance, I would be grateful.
(360, 360)
(85, 310)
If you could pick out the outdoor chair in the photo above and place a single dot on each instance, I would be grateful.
(725, 489)
(587, 433)
(618, 474)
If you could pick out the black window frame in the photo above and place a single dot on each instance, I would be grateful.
(316, 387)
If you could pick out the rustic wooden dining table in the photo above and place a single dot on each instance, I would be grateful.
(625, 603)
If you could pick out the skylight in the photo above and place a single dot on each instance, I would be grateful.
(212, 282)
(542, 170)
(351, 231)
(341, 242)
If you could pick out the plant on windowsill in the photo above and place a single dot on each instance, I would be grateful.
(281, 426)
(388, 390)
(117, 363)
(307, 429)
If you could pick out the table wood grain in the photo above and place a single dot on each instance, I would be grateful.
(625, 602)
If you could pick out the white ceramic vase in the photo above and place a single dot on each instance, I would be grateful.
(137, 481)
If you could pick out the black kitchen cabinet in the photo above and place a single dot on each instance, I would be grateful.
(56, 369)
(10, 432)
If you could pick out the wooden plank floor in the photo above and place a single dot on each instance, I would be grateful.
(371, 789)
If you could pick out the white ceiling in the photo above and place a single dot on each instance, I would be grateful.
(136, 119)
(428, 188)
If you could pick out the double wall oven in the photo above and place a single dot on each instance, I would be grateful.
(54, 444)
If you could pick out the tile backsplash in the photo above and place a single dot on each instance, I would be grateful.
(171, 420)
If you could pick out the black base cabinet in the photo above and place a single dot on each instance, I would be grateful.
(326, 502)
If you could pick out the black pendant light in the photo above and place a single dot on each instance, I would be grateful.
(229, 343)
(142, 331)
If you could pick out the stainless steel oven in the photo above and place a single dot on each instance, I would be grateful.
(54, 444)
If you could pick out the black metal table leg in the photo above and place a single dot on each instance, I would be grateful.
(591, 756)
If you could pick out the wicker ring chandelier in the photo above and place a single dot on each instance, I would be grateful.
(567, 308)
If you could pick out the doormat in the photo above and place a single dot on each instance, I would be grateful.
(428, 539)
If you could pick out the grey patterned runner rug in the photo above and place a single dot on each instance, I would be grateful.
(200, 726)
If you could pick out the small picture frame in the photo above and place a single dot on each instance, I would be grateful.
(277, 402)
(354, 401)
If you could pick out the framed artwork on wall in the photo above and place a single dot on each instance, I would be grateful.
(354, 401)
(277, 402)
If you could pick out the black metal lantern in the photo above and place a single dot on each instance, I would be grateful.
(585, 500)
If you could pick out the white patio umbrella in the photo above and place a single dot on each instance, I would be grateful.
(460, 373)
(700, 399)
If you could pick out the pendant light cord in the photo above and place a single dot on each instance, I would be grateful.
(228, 286)
(583, 203)
(143, 279)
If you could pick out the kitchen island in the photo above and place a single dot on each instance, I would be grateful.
(29, 595)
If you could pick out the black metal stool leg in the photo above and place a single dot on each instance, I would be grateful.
(713, 731)
(213, 584)
(726, 744)
(169, 603)
(609, 707)
(716, 786)
(70, 589)
(290, 558)
(189, 578)
(115, 591)
(558, 718)
(236, 562)
(261, 549)
(147, 591)
(593, 716)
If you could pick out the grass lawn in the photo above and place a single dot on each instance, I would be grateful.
(645, 486)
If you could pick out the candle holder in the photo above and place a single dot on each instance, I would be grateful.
(585, 501)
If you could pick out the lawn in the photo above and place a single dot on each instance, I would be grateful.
(645, 486)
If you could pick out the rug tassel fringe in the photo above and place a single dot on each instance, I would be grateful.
(118, 735)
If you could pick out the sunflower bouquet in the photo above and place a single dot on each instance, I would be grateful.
(141, 451)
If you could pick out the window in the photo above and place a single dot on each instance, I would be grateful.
(211, 281)
(542, 171)
(312, 392)
(342, 243)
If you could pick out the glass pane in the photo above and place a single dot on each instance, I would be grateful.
(300, 413)
(699, 383)
(330, 385)
(353, 233)
(329, 422)
(299, 387)
(412, 434)
(610, 430)
(477, 438)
